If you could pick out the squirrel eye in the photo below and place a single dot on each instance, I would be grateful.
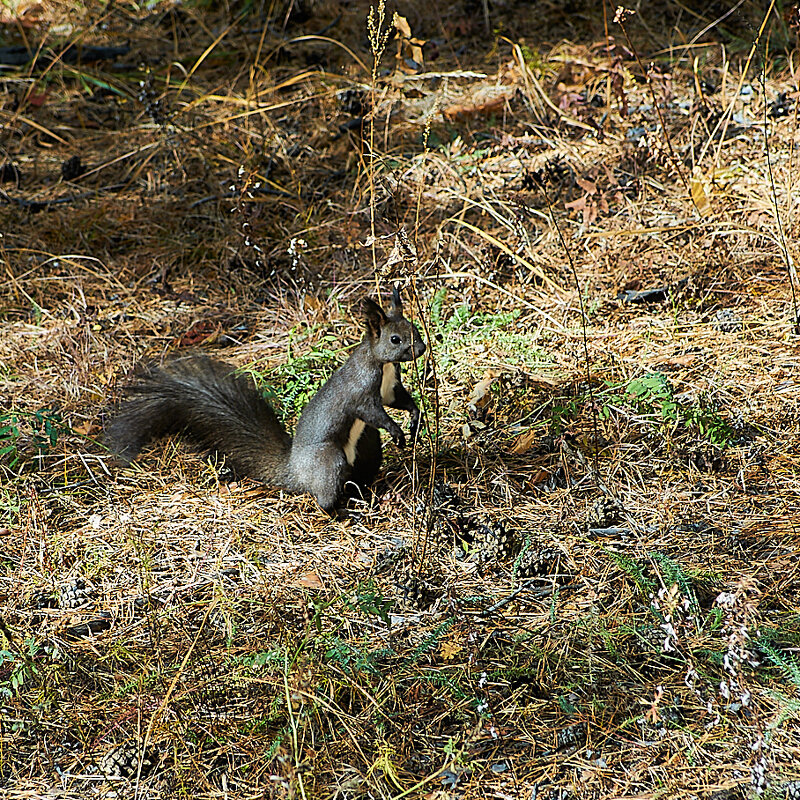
(396, 339)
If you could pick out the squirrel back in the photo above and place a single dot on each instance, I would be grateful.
(336, 440)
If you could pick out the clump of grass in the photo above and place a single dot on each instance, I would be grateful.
(27, 438)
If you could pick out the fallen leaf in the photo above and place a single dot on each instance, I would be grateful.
(450, 650)
(202, 332)
(524, 442)
(697, 184)
(312, 303)
(415, 63)
(678, 361)
(402, 26)
(480, 393)
(540, 476)
(310, 580)
(586, 185)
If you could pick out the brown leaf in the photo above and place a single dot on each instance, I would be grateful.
(697, 184)
(524, 442)
(586, 185)
(450, 650)
(401, 25)
(480, 394)
(310, 581)
(540, 476)
(202, 332)
(678, 361)
(313, 303)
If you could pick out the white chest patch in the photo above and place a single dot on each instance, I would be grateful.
(352, 440)
(388, 383)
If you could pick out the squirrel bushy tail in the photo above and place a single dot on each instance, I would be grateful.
(219, 409)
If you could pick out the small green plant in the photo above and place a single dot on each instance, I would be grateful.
(40, 429)
(353, 658)
(20, 668)
(430, 642)
(672, 573)
(369, 600)
(533, 59)
(465, 334)
(289, 386)
(789, 666)
(710, 424)
(364, 597)
(264, 658)
(563, 411)
(634, 570)
(10, 506)
(652, 395)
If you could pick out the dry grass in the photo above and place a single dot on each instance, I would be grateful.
(639, 636)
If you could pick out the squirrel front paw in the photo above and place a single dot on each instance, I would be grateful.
(398, 437)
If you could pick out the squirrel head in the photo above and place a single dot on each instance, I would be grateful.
(392, 337)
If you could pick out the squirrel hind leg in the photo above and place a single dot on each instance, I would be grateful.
(321, 471)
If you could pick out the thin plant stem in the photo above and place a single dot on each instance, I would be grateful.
(584, 335)
(774, 196)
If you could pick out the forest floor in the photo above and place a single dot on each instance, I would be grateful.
(583, 580)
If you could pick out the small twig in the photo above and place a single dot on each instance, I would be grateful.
(518, 591)
(584, 335)
(619, 18)
(44, 205)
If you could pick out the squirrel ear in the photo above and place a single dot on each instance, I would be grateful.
(374, 316)
(397, 304)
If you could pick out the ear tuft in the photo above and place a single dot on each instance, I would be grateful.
(397, 303)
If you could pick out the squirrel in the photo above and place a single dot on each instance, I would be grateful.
(336, 440)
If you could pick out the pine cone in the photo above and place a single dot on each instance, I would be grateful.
(415, 592)
(606, 511)
(537, 559)
(74, 594)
